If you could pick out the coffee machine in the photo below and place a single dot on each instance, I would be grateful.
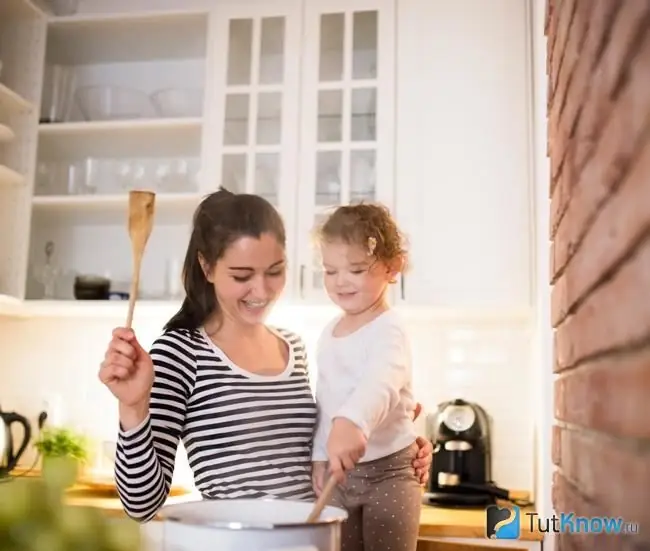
(461, 465)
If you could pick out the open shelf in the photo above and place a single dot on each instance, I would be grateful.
(92, 39)
(10, 177)
(101, 209)
(13, 102)
(120, 138)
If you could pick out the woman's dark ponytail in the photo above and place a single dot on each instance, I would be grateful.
(200, 300)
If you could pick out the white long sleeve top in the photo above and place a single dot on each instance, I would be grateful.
(366, 378)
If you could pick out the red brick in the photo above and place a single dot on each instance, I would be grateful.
(568, 107)
(598, 61)
(560, 130)
(569, 103)
(601, 13)
(547, 16)
(611, 318)
(568, 499)
(550, 28)
(616, 477)
(620, 139)
(559, 298)
(620, 223)
(565, 17)
(577, 34)
(623, 379)
(561, 194)
(630, 23)
(557, 155)
(555, 445)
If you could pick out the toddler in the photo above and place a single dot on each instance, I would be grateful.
(365, 432)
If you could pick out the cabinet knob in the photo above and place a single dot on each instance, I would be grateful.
(402, 280)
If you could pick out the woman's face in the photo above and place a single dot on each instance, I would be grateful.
(249, 278)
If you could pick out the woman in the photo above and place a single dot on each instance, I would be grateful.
(235, 390)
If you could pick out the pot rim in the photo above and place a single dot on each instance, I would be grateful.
(166, 515)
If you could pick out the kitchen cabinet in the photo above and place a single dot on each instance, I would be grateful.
(463, 143)
(347, 124)
(22, 28)
(153, 66)
(303, 112)
(309, 103)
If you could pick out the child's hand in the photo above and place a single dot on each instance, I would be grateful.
(345, 447)
(318, 470)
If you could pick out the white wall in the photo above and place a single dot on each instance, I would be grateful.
(486, 360)
(543, 340)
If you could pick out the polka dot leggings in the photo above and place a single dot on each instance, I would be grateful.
(383, 500)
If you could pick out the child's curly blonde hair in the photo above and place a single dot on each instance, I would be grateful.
(371, 227)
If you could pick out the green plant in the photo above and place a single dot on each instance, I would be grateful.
(55, 442)
(34, 516)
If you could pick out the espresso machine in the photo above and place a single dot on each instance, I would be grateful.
(461, 465)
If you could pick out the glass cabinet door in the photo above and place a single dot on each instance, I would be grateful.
(347, 118)
(256, 70)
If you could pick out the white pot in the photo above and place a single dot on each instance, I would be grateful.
(250, 525)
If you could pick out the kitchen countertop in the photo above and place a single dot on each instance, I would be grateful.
(435, 522)
(110, 503)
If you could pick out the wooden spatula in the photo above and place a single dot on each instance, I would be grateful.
(322, 501)
(141, 214)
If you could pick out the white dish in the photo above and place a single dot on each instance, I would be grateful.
(103, 103)
(178, 102)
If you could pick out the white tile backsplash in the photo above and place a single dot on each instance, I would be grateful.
(483, 360)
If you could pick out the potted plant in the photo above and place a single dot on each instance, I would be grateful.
(63, 449)
(34, 515)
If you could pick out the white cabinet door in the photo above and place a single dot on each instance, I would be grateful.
(463, 145)
(255, 113)
(347, 116)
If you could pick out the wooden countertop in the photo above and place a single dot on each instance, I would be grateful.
(437, 522)
(434, 521)
(111, 505)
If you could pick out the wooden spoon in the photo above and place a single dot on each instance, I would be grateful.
(322, 501)
(141, 214)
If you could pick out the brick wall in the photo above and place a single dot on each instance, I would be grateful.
(599, 149)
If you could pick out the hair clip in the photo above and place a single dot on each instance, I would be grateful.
(372, 245)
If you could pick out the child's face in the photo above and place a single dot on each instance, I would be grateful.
(353, 279)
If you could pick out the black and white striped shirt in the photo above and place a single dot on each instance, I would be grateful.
(246, 435)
